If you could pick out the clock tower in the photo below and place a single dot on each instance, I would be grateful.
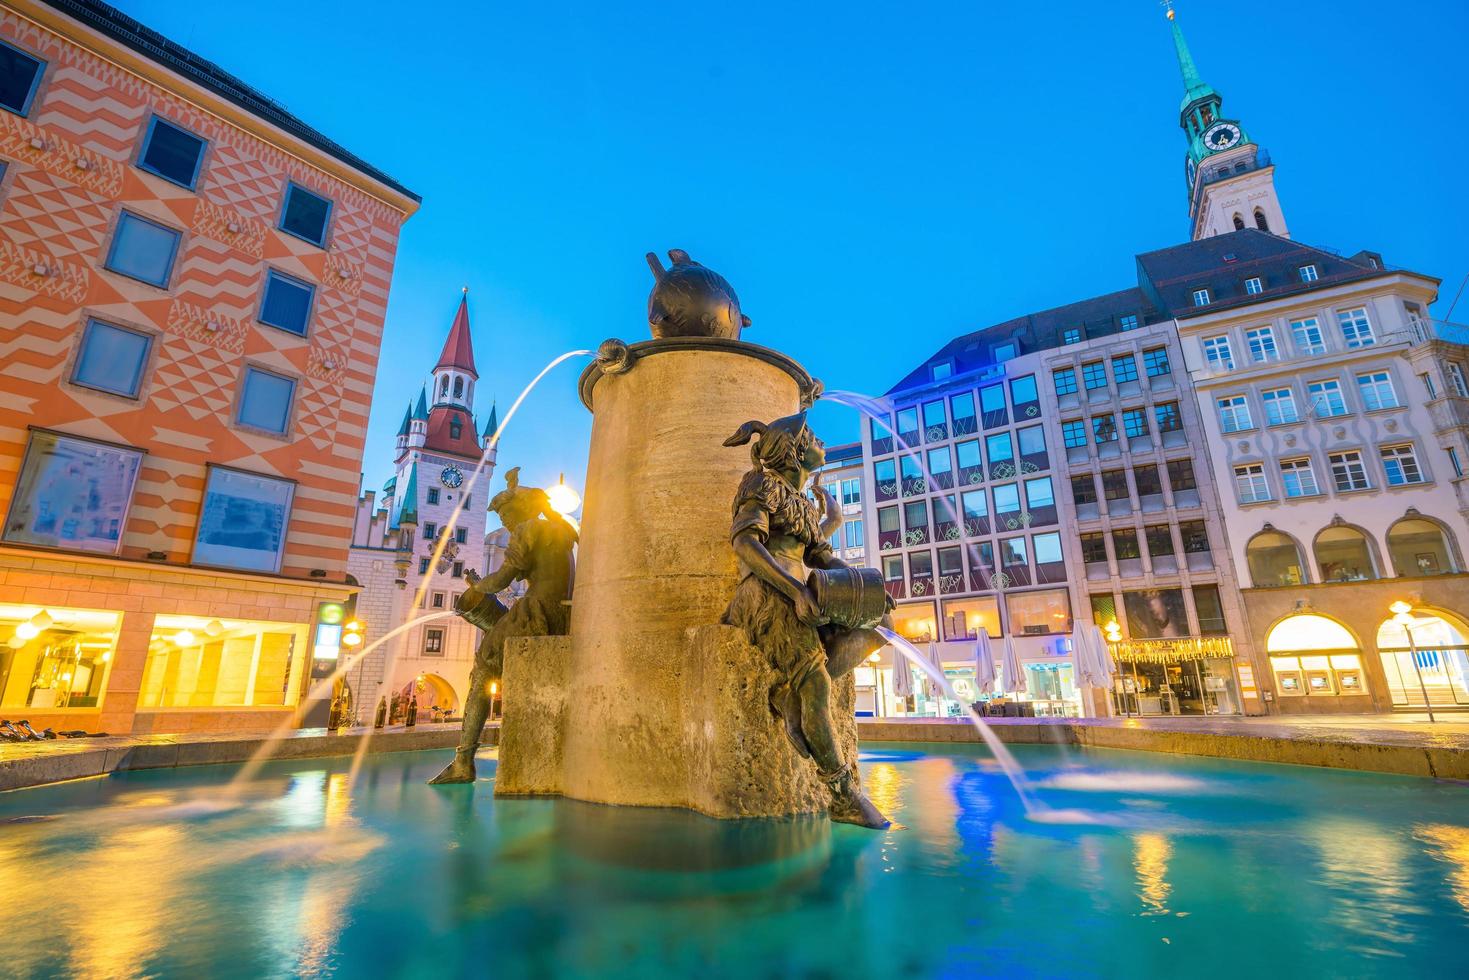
(1231, 181)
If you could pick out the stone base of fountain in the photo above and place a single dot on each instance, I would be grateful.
(730, 757)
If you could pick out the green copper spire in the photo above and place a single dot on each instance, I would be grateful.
(1194, 87)
(420, 413)
(408, 500)
(492, 424)
(407, 417)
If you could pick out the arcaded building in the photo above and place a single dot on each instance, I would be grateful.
(194, 286)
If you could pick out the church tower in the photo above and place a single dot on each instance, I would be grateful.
(1231, 181)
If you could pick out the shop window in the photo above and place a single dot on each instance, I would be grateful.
(55, 657)
(1312, 655)
(243, 521)
(72, 493)
(1104, 608)
(1039, 613)
(916, 622)
(1274, 560)
(1429, 667)
(1156, 614)
(964, 618)
(1419, 547)
(198, 663)
(1343, 555)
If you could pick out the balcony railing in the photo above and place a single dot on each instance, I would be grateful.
(1422, 331)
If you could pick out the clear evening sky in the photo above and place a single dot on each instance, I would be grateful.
(873, 178)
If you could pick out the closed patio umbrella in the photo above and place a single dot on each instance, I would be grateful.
(930, 686)
(902, 674)
(1086, 659)
(1012, 681)
(1105, 663)
(984, 663)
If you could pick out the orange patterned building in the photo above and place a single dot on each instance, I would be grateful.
(192, 291)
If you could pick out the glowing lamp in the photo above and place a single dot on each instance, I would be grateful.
(1400, 607)
(214, 627)
(42, 620)
(563, 499)
(875, 658)
(27, 631)
(16, 642)
(184, 638)
(351, 639)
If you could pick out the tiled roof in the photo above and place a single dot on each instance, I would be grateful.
(441, 438)
(458, 350)
(120, 27)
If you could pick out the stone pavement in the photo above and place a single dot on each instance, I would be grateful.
(1403, 744)
(26, 764)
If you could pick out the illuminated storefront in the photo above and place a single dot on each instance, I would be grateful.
(194, 662)
(55, 658)
(1430, 667)
(1183, 676)
(1316, 659)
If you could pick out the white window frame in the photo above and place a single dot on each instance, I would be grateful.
(1404, 458)
(1201, 297)
(1454, 461)
(1319, 393)
(1307, 336)
(1308, 273)
(1456, 380)
(1371, 386)
(1253, 286)
(1361, 333)
(1218, 353)
(1276, 401)
(1261, 344)
(1250, 484)
(1300, 474)
(1342, 464)
(1234, 414)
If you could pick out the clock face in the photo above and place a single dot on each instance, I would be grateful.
(1221, 136)
(451, 477)
(1189, 169)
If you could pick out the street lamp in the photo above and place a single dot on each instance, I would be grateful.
(563, 499)
(1403, 616)
(876, 658)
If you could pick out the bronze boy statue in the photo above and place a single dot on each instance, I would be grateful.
(778, 534)
(539, 552)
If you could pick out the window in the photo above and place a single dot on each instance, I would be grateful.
(1419, 547)
(1456, 380)
(305, 214)
(964, 618)
(1104, 428)
(72, 493)
(935, 425)
(1001, 452)
(143, 250)
(1155, 362)
(1039, 493)
(1003, 352)
(1260, 221)
(1073, 433)
(1166, 415)
(1326, 398)
(915, 520)
(1261, 342)
(1046, 548)
(1093, 547)
(1217, 354)
(1135, 422)
(423, 566)
(1181, 475)
(1124, 368)
(1274, 560)
(1065, 381)
(941, 371)
(1377, 391)
(172, 153)
(1201, 297)
(1039, 613)
(1234, 414)
(941, 467)
(461, 535)
(1147, 480)
(1343, 555)
(1031, 440)
(1429, 386)
(19, 76)
(458, 393)
(111, 358)
(433, 640)
(1249, 483)
(885, 479)
(962, 409)
(1308, 273)
(1012, 553)
(265, 400)
(1253, 286)
(1114, 484)
(1072, 336)
(1094, 375)
(1160, 541)
(430, 531)
(1195, 538)
(243, 521)
(1347, 471)
(881, 435)
(235, 664)
(1297, 478)
(437, 600)
(457, 570)
(1210, 610)
(1124, 544)
(1128, 322)
(1084, 489)
(1024, 397)
(1307, 336)
(287, 303)
(851, 492)
(969, 461)
(433, 495)
(1007, 499)
(992, 404)
(1454, 461)
(1400, 464)
(976, 506)
(1280, 406)
(1356, 329)
(852, 534)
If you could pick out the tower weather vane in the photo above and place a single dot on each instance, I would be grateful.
(1168, 6)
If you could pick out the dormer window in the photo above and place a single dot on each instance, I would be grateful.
(1308, 273)
(1253, 286)
(1072, 336)
(1201, 297)
(1128, 322)
(941, 371)
(1003, 352)
(456, 427)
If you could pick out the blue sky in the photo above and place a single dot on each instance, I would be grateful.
(873, 178)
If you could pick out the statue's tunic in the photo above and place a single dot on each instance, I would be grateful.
(539, 552)
(787, 523)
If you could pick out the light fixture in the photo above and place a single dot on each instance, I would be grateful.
(1400, 607)
(42, 620)
(27, 630)
(184, 638)
(875, 658)
(214, 627)
(106, 656)
(16, 642)
(563, 499)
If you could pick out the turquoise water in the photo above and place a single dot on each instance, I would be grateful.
(1162, 866)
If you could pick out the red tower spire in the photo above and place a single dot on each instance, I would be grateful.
(458, 349)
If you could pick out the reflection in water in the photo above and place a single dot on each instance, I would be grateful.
(1150, 854)
(884, 784)
(1368, 868)
(1450, 845)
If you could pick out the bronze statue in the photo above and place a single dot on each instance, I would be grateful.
(778, 534)
(540, 547)
(689, 300)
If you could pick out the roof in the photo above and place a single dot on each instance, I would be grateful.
(458, 352)
(847, 452)
(1167, 279)
(492, 424)
(441, 436)
(420, 411)
(407, 502)
(118, 26)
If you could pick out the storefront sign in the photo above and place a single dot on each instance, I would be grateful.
(1174, 650)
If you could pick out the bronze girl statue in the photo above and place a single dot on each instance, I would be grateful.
(778, 534)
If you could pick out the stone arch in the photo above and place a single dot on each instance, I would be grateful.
(1239, 223)
(1268, 554)
(1412, 549)
(431, 689)
(1346, 553)
(443, 386)
(1301, 622)
(458, 387)
(1261, 221)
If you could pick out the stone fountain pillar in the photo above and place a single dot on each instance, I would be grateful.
(649, 701)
